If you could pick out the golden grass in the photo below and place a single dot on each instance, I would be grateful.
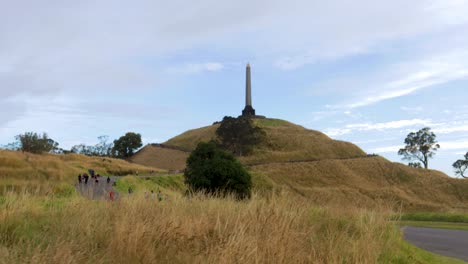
(273, 229)
(284, 142)
(368, 182)
(277, 229)
(158, 157)
(28, 171)
(190, 139)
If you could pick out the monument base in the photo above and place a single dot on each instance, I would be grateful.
(248, 111)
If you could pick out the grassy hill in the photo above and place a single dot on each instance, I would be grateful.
(284, 142)
(159, 157)
(39, 172)
(309, 164)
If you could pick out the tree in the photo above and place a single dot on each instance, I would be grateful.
(125, 146)
(461, 166)
(36, 143)
(213, 170)
(102, 149)
(239, 135)
(420, 146)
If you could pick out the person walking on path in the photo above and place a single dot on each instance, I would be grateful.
(86, 178)
(108, 179)
(111, 195)
(153, 195)
(79, 179)
(160, 196)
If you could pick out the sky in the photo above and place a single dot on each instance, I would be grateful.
(363, 71)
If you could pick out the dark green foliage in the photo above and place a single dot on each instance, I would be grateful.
(125, 146)
(239, 135)
(420, 146)
(461, 166)
(215, 171)
(36, 143)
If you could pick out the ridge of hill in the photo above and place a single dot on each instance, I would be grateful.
(309, 164)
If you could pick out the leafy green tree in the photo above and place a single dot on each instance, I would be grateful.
(126, 145)
(239, 135)
(36, 143)
(461, 166)
(420, 146)
(213, 170)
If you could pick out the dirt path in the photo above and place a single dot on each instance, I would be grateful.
(99, 190)
(450, 243)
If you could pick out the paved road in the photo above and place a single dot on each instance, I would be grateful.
(450, 243)
(99, 190)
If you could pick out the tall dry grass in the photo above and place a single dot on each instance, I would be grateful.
(276, 229)
(25, 171)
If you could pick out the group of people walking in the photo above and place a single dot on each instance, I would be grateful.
(112, 195)
(85, 178)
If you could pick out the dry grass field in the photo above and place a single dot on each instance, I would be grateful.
(45, 172)
(366, 183)
(43, 220)
(339, 173)
(274, 229)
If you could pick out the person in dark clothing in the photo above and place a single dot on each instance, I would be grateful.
(130, 190)
(108, 179)
(86, 178)
(79, 178)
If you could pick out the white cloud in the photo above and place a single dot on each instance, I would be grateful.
(334, 132)
(409, 109)
(387, 149)
(423, 74)
(444, 145)
(389, 125)
(448, 128)
(453, 145)
(350, 128)
(193, 68)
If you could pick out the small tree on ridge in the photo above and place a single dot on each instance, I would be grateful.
(461, 166)
(420, 146)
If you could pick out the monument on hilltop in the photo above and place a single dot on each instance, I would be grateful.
(248, 111)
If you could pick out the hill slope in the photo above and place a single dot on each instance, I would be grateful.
(160, 157)
(366, 182)
(31, 171)
(284, 142)
(309, 164)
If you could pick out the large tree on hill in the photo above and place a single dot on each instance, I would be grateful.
(36, 143)
(239, 135)
(461, 166)
(420, 146)
(126, 145)
(216, 171)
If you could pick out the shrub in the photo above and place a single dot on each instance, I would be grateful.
(213, 170)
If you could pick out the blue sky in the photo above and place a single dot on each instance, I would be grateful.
(363, 71)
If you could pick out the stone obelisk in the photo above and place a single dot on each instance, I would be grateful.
(248, 110)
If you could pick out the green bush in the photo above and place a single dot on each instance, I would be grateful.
(215, 171)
